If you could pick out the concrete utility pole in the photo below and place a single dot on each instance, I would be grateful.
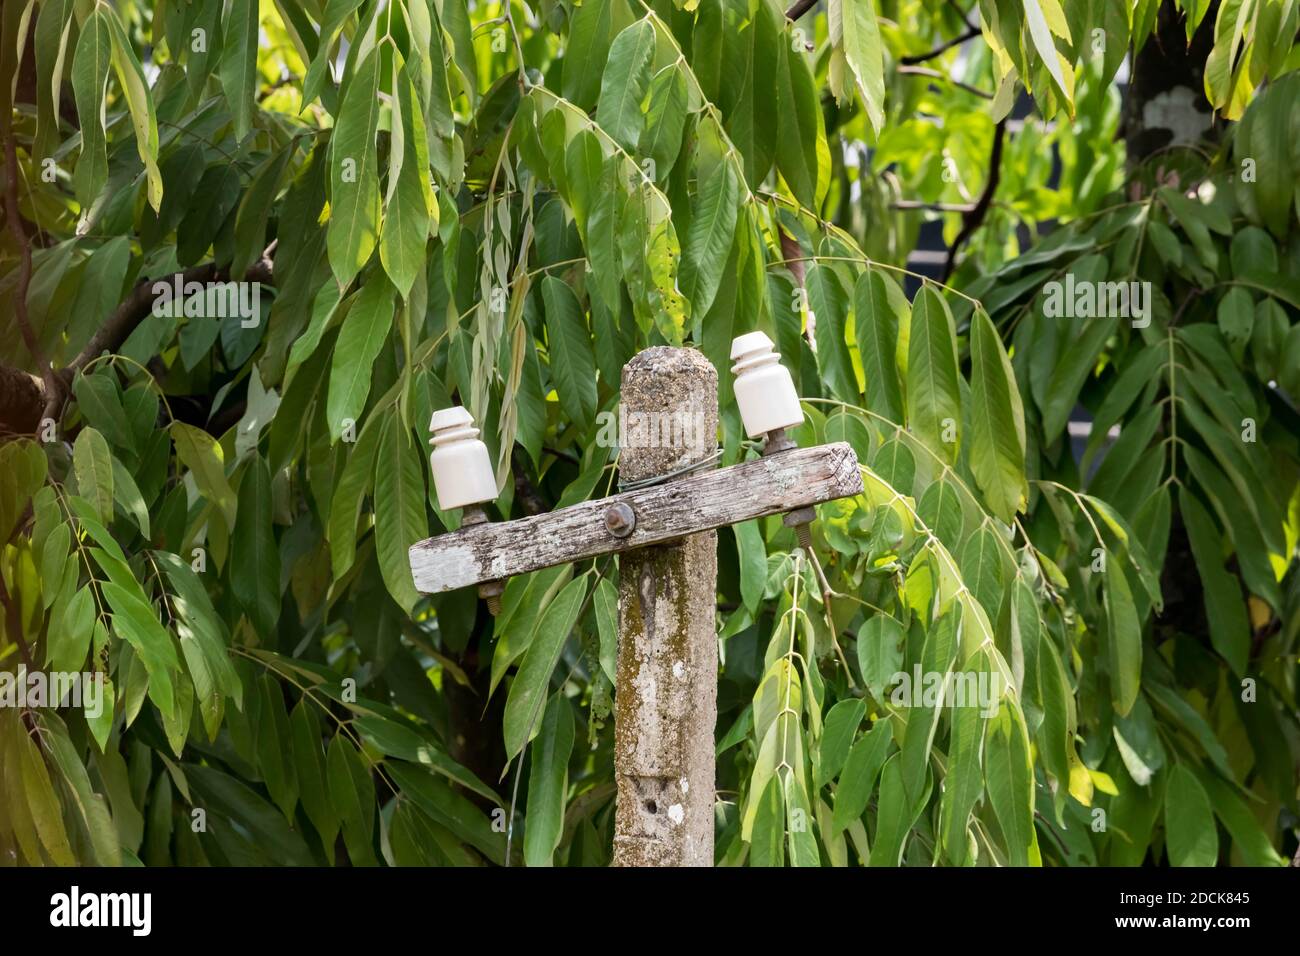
(663, 528)
(666, 695)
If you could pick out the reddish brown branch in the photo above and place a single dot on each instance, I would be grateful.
(975, 218)
(970, 34)
(25, 400)
(15, 221)
(799, 8)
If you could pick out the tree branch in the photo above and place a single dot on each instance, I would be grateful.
(935, 74)
(970, 34)
(799, 8)
(975, 218)
(136, 307)
(15, 221)
(14, 626)
(26, 400)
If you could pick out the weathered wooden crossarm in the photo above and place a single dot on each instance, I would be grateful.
(490, 551)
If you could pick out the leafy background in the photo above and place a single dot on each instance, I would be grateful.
(498, 205)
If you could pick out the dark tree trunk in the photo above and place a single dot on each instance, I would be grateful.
(1165, 105)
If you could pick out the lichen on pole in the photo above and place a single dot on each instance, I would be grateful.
(666, 695)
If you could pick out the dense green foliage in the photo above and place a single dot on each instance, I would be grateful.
(496, 205)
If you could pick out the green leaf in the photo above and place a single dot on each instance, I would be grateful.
(254, 211)
(981, 568)
(202, 455)
(1071, 372)
(255, 557)
(99, 401)
(709, 237)
(91, 807)
(1055, 736)
(523, 705)
(826, 300)
(591, 31)
(1236, 319)
(573, 363)
(623, 85)
(877, 338)
(93, 463)
(354, 181)
(42, 802)
(362, 335)
(858, 778)
(1123, 638)
(524, 602)
(767, 839)
(601, 239)
(1010, 782)
(406, 206)
(838, 731)
(54, 28)
(893, 817)
(605, 601)
(450, 809)
(336, 13)
(752, 552)
(749, 88)
(933, 395)
(90, 64)
(228, 798)
(204, 641)
(353, 485)
(964, 779)
(136, 622)
(1248, 837)
(1190, 835)
(309, 766)
(799, 152)
(275, 748)
(399, 510)
(139, 104)
(940, 508)
(1224, 608)
(127, 494)
(583, 163)
(857, 37)
(239, 62)
(661, 140)
(548, 780)
(352, 793)
(880, 653)
(397, 740)
(1041, 36)
(1139, 743)
(923, 712)
(997, 448)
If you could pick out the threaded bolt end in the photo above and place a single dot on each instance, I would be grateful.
(804, 533)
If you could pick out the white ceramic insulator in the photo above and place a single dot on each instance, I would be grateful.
(764, 390)
(462, 470)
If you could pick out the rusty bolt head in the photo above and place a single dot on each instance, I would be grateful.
(620, 520)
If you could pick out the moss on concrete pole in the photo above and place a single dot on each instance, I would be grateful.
(666, 695)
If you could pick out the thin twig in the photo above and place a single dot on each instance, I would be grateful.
(936, 75)
(970, 34)
(975, 218)
(799, 8)
(14, 625)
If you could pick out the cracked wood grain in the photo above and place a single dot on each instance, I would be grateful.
(701, 502)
